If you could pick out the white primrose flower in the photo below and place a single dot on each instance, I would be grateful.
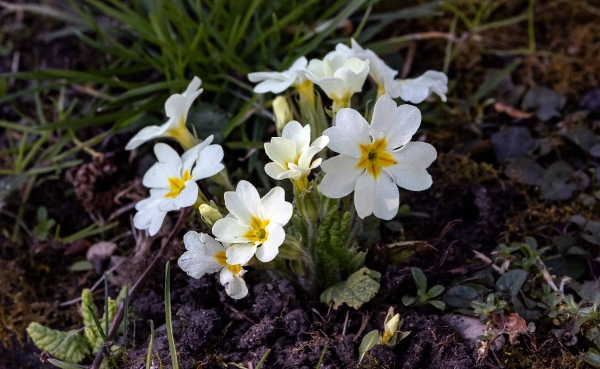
(277, 82)
(418, 89)
(339, 76)
(172, 181)
(205, 255)
(292, 153)
(374, 159)
(255, 225)
(177, 107)
(381, 73)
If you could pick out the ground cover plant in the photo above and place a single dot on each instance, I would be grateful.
(318, 184)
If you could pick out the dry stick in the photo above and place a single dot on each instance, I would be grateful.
(136, 286)
(410, 56)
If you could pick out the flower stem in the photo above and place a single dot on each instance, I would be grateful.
(185, 138)
(306, 203)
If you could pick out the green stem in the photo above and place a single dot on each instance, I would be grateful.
(306, 204)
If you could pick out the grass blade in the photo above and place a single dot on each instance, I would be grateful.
(150, 346)
(169, 322)
(97, 322)
(263, 358)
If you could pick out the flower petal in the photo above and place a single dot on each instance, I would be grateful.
(274, 82)
(147, 134)
(158, 176)
(193, 88)
(166, 155)
(274, 207)
(351, 130)
(235, 286)
(276, 171)
(230, 231)
(340, 178)
(281, 150)
(176, 107)
(243, 203)
(187, 197)
(190, 156)
(200, 257)
(377, 196)
(208, 163)
(149, 217)
(240, 253)
(270, 248)
(396, 124)
(412, 160)
(297, 134)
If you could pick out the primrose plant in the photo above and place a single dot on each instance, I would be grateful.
(312, 239)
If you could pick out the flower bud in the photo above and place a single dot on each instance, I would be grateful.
(390, 329)
(283, 113)
(210, 214)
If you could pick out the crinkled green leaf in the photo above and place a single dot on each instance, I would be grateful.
(359, 288)
(92, 334)
(67, 346)
(368, 342)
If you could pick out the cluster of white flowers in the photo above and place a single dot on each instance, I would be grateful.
(373, 160)
(342, 73)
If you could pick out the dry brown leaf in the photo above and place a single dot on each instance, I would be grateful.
(511, 111)
(513, 325)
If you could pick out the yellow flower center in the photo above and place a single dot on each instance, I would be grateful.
(178, 184)
(221, 257)
(373, 157)
(258, 233)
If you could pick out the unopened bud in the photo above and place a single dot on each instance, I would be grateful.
(210, 214)
(283, 113)
(390, 327)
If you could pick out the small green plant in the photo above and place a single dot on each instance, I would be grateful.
(424, 296)
(44, 224)
(491, 305)
(72, 347)
(390, 335)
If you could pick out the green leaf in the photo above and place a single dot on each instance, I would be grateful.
(368, 342)
(408, 300)
(81, 266)
(511, 281)
(61, 364)
(460, 296)
(67, 346)
(438, 304)
(592, 357)
(512, 143)
(420, 279)
(360, 287)
(435, 291)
